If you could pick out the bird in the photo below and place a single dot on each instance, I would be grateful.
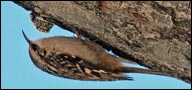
(79, 59)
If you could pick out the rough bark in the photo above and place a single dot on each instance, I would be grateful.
(154, 34)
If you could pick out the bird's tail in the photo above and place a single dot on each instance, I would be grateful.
(139, 70)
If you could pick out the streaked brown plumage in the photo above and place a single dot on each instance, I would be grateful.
(75, 58)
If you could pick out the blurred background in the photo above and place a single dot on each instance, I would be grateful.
(18, 71)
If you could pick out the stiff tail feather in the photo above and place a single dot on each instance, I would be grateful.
(139, 70)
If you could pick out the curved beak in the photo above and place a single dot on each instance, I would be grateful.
(26, 38)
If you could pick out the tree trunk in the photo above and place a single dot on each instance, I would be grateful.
(154, 34)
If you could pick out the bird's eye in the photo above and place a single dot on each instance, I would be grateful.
(34, 47)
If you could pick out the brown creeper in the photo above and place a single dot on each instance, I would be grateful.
(74, 58)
